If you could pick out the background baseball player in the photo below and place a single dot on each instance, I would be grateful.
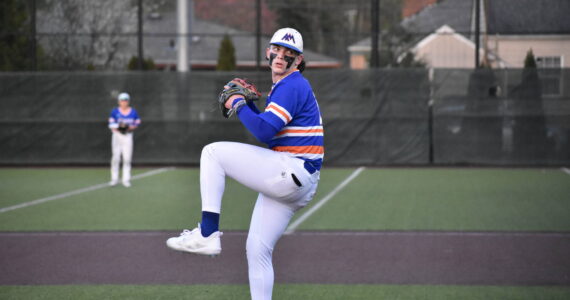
(286, 175)
(123, 121)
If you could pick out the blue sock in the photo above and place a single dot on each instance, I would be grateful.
(210, 223)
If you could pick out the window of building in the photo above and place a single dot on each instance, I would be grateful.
(549, 62)
(550, 70)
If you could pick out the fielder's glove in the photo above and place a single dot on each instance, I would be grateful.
(123, 128)
(237, 86)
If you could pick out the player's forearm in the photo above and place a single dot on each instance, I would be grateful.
(254, 108)
(261, 129)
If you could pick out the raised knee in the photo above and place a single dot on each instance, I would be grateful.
(208, 149)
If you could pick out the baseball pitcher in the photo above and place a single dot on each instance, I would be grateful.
(285, 174)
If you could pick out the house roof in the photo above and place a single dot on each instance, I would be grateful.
(448, 31)
(411, 7)
(455, 13)
(205, 43)
(506, 17)
(509, 17)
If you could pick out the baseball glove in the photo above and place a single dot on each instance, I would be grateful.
(237, 86)
(123, 128)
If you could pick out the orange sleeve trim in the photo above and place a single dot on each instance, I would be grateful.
(282, 113)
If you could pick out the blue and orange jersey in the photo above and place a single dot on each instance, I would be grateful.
(131, 119)
(294, 109)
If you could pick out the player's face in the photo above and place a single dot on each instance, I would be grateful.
(281, 57)
(123, 103)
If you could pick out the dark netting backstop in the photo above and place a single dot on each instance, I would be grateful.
(373, 117)
(501, 117)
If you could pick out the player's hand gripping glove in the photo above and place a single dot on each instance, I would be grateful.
(123, 128)
(237, 86)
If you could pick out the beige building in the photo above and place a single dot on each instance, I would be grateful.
(445, 49)
(552, 51)
(445, 37)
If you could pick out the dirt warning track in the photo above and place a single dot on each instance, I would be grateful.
(466, 258)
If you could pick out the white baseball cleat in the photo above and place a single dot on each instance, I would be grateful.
(194, 242)
(113, 182)
(127, 183)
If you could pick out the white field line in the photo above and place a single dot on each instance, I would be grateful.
(322, 202)
(79, 191)
(565, 170)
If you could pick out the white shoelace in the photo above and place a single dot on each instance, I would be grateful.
(186, 232)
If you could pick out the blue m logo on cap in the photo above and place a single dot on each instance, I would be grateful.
(288, 37)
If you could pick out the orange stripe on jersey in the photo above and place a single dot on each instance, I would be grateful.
(286, 131)
(300, 149)
(281, 112)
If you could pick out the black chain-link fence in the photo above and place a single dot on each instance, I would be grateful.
(371, 117)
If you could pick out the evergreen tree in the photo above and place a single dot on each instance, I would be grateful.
(529, 60)
(148, 64)
(529, 132)
(530, 87)
(226, 55)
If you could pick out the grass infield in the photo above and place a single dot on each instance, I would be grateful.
(283, 292)
(378, 199)
(474, 199)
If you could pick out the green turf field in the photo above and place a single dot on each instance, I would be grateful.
(378, 199)
(455, 199)
(283, 292)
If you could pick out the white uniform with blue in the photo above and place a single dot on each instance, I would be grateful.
(122, 143)
(286, 175)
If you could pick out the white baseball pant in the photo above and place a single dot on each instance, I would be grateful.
(271, 174)
(121, 145)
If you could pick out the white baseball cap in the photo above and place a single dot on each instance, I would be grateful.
(124, 96)
(288, 37)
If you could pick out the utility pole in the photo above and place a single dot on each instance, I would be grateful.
(477, 31)
(375, 10)
(140, 36)
(33, 44)
(258, 35)
(182, 36)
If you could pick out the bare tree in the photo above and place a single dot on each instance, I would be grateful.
(79, 34)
